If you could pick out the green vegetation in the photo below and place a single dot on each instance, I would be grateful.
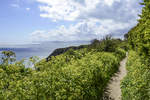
(107, 44)
(82, 73)
(139, 36)
(8, 57)
(136, 85)
(75, 75)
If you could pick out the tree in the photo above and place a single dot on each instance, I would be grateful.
(8, 57)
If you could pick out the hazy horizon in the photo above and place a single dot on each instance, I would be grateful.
(41, 50)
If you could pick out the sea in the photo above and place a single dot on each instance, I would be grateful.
(41, 50)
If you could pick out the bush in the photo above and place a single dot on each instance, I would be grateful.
(139, 36)
(75, 75)
(136, 86)
(83, 79)
(108, 44)
(120, 53)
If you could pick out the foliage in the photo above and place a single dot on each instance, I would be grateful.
(136, 86)
(108, 44)
(139, 36)
(8, 57)
(120, 53)
(74, 75)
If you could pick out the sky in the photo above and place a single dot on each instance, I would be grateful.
(26, 21)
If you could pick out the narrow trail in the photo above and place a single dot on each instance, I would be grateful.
(113, 90)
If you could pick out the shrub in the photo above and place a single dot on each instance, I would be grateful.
(108, 44)
(139, 36)
(83, 79)
(83, 76)
(120, 53)
(136, 86)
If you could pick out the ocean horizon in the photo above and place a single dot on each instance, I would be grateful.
(41, 50)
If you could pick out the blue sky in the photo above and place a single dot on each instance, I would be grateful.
(25, 21)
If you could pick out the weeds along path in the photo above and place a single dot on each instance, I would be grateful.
(113, 90)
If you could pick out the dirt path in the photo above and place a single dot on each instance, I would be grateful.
(113, 90)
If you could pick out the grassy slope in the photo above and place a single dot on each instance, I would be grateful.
(136, 85)
(74, 75)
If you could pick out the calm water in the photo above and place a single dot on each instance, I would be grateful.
(41, 50)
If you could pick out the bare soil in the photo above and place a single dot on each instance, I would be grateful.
(113, 90)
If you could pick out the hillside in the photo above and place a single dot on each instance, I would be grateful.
(76, 74)
(136, 85)
(84, 72)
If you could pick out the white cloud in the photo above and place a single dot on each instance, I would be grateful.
(58, 10)
(84, 30)
(15, 5)
(110, 2)
(65, 9)
(93, 18)
(27, 9)
(74, 9)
